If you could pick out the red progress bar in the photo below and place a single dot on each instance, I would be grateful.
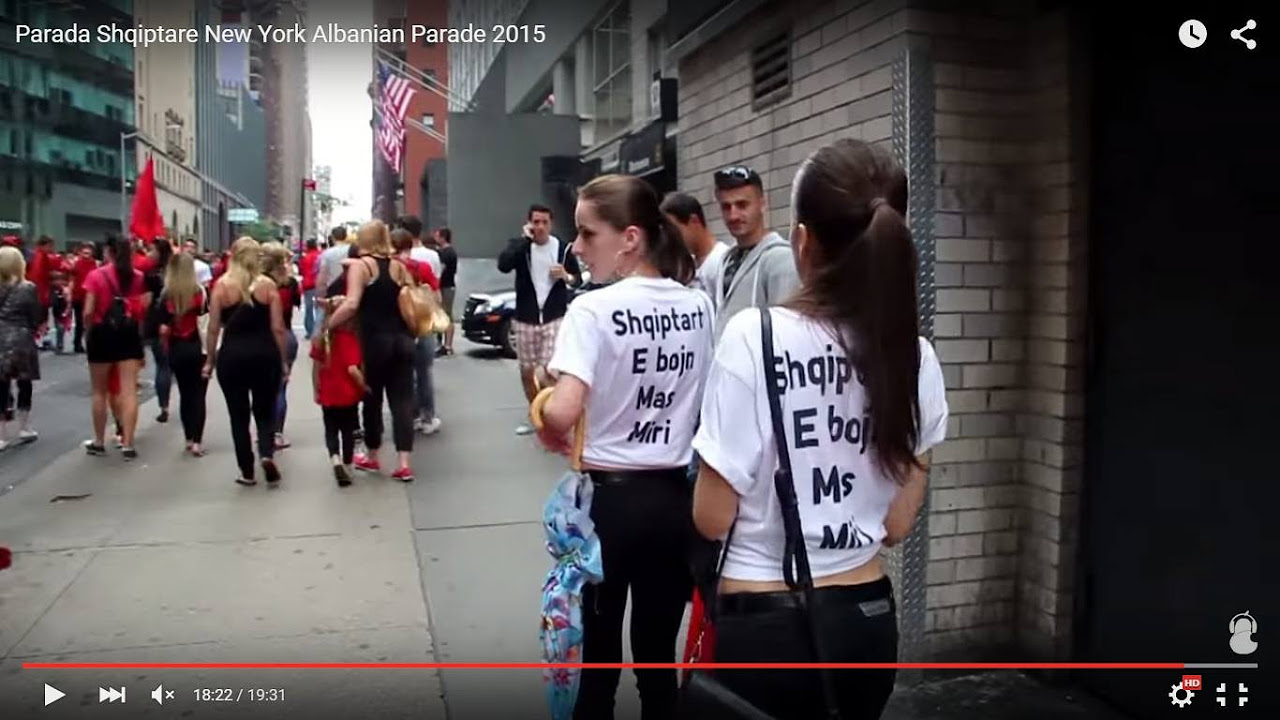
(604, 666)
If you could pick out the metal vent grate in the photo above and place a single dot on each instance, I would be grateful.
(771, 70)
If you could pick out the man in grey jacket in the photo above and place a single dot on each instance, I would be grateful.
(760, 270)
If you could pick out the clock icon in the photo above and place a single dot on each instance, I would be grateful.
(1193, 33)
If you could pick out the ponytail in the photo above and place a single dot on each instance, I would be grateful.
(668, 254)
(882, 268)
(851, 198)
(122, 259)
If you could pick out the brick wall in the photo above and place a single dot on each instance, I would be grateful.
(1009, 274)
(1010, 285)
(841, 86)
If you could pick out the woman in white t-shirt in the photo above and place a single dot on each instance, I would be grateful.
(632, 356)
(862, 403)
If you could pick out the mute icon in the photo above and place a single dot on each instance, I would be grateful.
(160, 695)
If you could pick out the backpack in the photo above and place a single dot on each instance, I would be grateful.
(120, 315)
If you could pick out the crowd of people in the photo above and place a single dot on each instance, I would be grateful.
(773, 396)
(786, 377)
(128, 301)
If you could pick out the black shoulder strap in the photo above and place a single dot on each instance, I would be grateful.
(794, 553)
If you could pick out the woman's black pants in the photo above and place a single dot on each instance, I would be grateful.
(388, 369)
(251, 385)
(186, 359)
(857, 624)
(643, 519)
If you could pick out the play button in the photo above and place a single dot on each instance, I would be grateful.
(52, 694)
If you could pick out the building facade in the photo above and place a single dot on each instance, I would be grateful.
(322, 203)
(282, 84)
(165, 108)
(427, 132)
(227, 116)
(63, 112)
(993, 114)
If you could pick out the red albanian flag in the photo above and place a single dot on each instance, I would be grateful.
(145, 221)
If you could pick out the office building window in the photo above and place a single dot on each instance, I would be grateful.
(431, 75)
(429, 119)
(611, 72)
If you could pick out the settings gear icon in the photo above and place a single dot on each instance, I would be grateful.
(1180, 701)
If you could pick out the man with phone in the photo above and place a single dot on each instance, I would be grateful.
(545, 270)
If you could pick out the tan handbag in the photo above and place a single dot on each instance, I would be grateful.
(421, 310)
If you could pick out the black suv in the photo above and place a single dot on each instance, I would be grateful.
(489, 318)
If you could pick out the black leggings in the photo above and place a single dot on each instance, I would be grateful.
(340, 425)
(643, 521)
(857, 623)
(186, 358)
(6, 396)
(250, 384)
(388, 368)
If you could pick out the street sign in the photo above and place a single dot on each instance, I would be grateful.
(242, 215)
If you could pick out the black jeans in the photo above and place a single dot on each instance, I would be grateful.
(186, 358)
(340, 425)
(77, 311)
(857, 624)
(643, 521)
(6, 397)
(388, 369)
(250, 384)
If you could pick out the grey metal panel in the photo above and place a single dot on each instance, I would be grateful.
(913, 133)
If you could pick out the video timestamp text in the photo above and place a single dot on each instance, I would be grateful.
(239, 694)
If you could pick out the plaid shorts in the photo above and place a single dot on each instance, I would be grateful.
(536, 343)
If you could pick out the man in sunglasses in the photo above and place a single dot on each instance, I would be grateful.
(760, 270)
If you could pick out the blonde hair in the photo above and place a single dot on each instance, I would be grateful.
(13, 266)
(275, 262)
(373, 238)
(180, 284)
(245, 265)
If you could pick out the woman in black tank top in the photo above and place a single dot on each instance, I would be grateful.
(372, 294)
(245, 313)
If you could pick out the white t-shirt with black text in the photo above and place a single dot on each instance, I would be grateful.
(642, 346)
(842, 492)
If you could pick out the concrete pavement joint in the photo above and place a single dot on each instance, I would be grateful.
(179, 543)
(431, 625)
(50, 606)
(477, 526)
(194, 643)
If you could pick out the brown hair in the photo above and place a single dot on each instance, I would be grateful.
(852, 198)
(623, 201)
(401, 240)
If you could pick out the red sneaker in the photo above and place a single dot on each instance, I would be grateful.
(403, 475)
(366, 463)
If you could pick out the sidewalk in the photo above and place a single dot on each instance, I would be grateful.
(168, 560)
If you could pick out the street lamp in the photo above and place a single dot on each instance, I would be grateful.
(124, 202)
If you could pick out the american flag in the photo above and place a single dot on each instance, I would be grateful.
(394, 94)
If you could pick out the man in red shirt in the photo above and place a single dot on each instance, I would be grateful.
(40, 272)
(308, 265)
(81, 266)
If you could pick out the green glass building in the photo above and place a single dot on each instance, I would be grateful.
(63, 110)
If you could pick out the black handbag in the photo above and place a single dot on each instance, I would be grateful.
(702, 696)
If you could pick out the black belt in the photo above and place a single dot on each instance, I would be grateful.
(874, 598)
(626, 477)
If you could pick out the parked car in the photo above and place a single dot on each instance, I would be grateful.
(489, 318)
